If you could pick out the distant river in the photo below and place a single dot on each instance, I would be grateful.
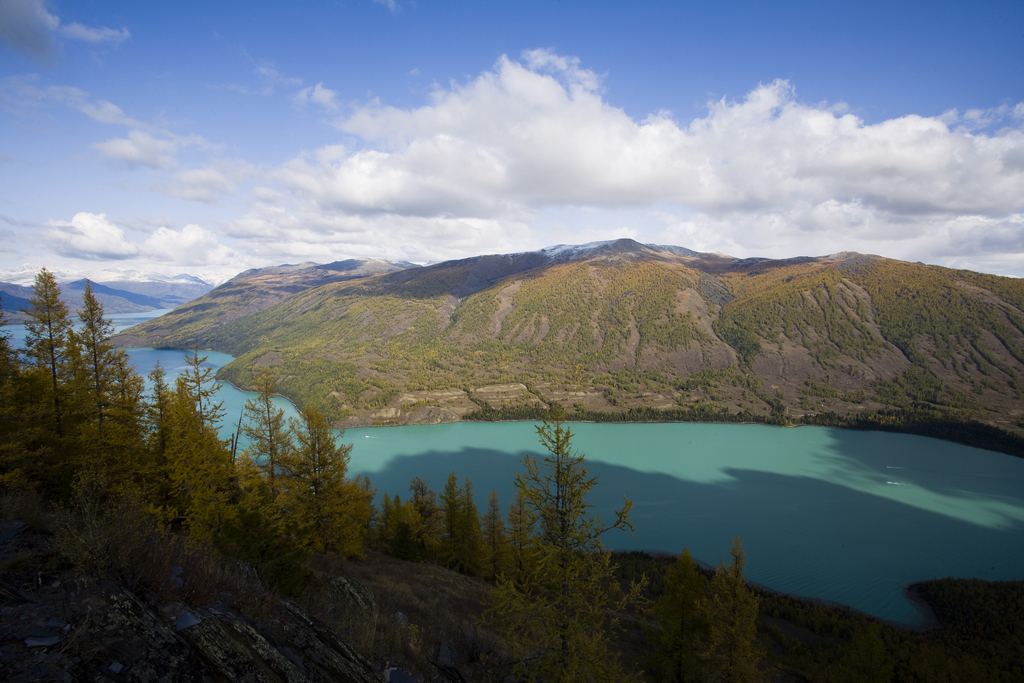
(851, 517)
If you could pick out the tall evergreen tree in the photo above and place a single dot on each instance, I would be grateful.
(495, 539)
(14, 456)
(555, 617)
(682, 629)
(317, 493)
(471, 541)
(522, 521)
(428, 537)
(98, 354)
(265, 426)
(451, 518)
(199, 471)
(46, 341)
(732, 652)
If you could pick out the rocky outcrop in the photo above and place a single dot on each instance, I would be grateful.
(350, 592)
(72, 631)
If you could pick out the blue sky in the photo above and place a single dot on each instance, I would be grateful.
(213, 137)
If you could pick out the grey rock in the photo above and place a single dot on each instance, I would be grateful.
(184, 620)
(42, 642)
(327, 656)
(351, 593)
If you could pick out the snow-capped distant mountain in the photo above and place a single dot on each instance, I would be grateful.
(120, 291)
(25, 275)
(624, 246)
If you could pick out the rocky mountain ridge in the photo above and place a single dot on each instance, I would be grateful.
(614, 326)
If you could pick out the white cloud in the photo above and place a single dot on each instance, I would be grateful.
(193, 245)
(141, 149)
(766, 172)
(91, 236)
(317, 94)
(308, 232)
(95, 35)
(145, 145)
(27, 26)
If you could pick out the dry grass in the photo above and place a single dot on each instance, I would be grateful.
(419, 607)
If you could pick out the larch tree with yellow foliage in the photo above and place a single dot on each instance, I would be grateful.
(555, 617)
(317, 494)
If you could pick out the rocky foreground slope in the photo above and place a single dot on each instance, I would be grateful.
(57, 624)
(617, 325)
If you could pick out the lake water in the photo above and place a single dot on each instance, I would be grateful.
(851, 517)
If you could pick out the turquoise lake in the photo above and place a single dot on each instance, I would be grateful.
(850, 517)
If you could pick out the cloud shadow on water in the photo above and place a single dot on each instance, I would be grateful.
(802, 535)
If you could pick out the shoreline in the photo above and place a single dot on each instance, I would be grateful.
(911, 593)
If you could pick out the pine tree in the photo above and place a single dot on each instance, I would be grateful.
(318, 495)
(199, 472)
(730, 608)
(270, 440)
(428, 537)
(451, 521)
(15, 459)
(46, 341)
(472, 541)
(157, 412)
(555, 617)
(93, 335)
(683, 630)
(495, 540)
(123, 435)
(521, 524)
(867, 659)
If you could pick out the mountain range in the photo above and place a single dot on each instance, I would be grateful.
(118, 291)
(613, 326)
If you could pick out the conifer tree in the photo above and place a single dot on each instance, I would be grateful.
(122, 436)
(424, 499)
(683, 630)
(46, 341)
(495, 540)
(521, 524)
(732, 652)
(270, 440)
(93, 335)
(555, 617)
(14, 457)
(471, 545)
(199, 472)
(157, 412)
(451, 520)
(867, 659)
(318, 495)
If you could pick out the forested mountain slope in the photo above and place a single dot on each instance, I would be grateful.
(619, 325)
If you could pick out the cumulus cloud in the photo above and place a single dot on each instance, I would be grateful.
(91, 236)
(193, 245)
(306, 231)
(94, 237)
(139, 149)
(28, 27)
(317, 94)
(762, 172)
